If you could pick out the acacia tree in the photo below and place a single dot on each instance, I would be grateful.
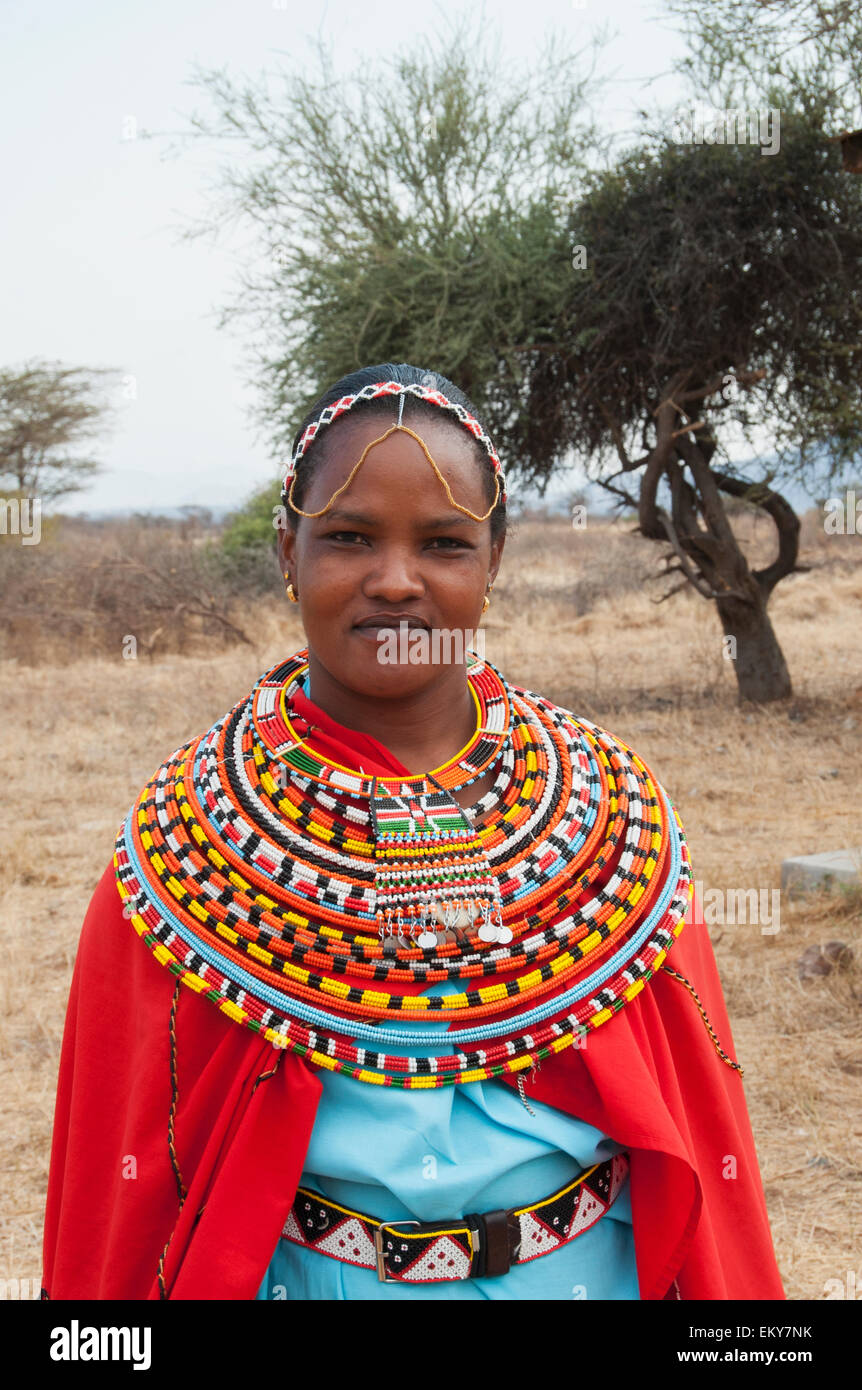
(723, 304)
(407, 208)
(47, 411)
(720, 304)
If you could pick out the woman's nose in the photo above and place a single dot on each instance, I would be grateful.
(394, 574)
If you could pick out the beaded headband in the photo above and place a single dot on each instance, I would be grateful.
(393, 388)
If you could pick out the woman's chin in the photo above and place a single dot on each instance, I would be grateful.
(365, 665)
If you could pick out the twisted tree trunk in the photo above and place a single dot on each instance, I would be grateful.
(705, 550)
(761, 671)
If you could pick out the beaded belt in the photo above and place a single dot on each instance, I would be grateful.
(467, 1247)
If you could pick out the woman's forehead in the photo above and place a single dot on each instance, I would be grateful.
(397, 465)
(346, 438)
(428, 511)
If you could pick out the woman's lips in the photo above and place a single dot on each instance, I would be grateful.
(391, 625)
(378, 629)
(381, 633)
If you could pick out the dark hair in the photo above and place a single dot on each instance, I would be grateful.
(414, 407)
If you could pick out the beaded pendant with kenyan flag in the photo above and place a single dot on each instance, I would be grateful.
(431, 870)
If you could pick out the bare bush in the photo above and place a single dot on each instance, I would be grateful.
(88, 587)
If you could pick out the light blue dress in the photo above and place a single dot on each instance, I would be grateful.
(427, 1155)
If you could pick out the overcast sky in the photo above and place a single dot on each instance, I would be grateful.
(93, 269)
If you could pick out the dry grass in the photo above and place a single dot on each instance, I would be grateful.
(573, 617)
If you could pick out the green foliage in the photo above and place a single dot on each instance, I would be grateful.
(251, 527)
(428, 213)
(411, 211)
(248, 545)
(718, 259)
(810, 46)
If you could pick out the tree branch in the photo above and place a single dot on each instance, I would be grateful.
(693, 578)
(786, 523)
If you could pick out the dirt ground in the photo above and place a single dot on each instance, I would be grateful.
(573, 616)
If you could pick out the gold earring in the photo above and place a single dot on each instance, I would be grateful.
(486, 602)
(291, 592)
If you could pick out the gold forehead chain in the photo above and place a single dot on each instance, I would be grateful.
(361, 459)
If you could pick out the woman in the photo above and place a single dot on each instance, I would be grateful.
(401, 885)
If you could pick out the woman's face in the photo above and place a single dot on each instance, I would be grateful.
(391, 547)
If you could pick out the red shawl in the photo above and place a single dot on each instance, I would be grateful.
(651, 1078)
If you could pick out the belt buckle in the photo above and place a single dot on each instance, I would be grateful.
(378, 1246)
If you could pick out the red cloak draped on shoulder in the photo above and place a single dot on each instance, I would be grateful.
(127, 1219)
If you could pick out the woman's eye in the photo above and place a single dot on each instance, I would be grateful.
(438, 542)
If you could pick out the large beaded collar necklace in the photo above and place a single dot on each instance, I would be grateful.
(431, 871)
(304, 898)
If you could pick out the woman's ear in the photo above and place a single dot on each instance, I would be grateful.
(496, 557)
(287, 549)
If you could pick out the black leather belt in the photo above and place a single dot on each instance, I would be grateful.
(478, 1245)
